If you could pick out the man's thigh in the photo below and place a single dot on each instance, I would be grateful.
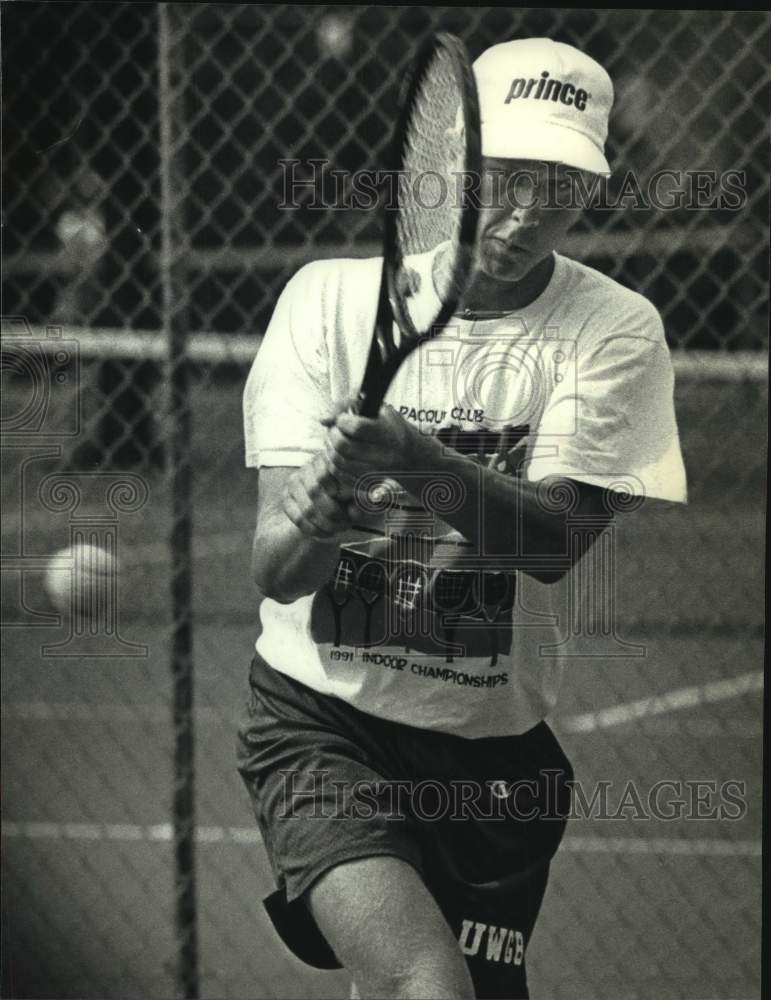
(493, 925)
(388, 931)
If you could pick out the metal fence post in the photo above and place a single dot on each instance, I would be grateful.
(174, 299)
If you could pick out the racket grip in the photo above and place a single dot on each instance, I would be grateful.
(366, 405)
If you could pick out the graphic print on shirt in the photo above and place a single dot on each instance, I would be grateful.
(414, 583)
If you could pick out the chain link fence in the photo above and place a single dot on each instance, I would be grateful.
(165, 171)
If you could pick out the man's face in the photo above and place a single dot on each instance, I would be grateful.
(522, 219)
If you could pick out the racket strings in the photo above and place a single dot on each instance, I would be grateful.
(428, 222)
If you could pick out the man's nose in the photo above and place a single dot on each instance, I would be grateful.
(518, 220)
(525, 216)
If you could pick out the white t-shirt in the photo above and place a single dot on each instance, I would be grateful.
(577, 384)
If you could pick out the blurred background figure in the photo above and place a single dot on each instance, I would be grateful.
(82, 233)
(334, 33)
(122, 434)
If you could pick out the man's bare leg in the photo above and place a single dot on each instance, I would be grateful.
(387, 930)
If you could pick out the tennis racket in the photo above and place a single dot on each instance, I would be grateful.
(431, 228)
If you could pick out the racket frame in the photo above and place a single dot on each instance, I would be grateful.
(385, 354)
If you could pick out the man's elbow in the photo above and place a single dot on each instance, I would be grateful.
(270, 583)
(558, 567)
(268, 576)
(549, 576)
(278, 595)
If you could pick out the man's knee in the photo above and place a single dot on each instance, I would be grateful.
(425, 982)
(388, 931)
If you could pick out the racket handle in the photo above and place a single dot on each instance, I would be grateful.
(367, 405)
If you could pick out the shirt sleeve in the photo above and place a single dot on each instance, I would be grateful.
(611, 420)
(287, 390)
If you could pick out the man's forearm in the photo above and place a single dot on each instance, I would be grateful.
(286, 564)
(300, 527)
(523, 523)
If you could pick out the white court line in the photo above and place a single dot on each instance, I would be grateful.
(698, 728)
(228, 719)
(662, 845)
(651, 711)
(82, 711)
(162, 833)
(672, 701)
(156, 833)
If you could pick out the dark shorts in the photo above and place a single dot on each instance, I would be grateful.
(479, 819)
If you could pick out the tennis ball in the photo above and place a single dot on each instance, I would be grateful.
(77, 578)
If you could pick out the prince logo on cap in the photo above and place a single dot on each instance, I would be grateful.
(546, 101)
(554, 90)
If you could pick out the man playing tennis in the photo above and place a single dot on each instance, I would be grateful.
(409, 792)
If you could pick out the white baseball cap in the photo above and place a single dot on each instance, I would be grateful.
(544, 100)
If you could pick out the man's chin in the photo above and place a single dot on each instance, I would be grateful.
(510, 268)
